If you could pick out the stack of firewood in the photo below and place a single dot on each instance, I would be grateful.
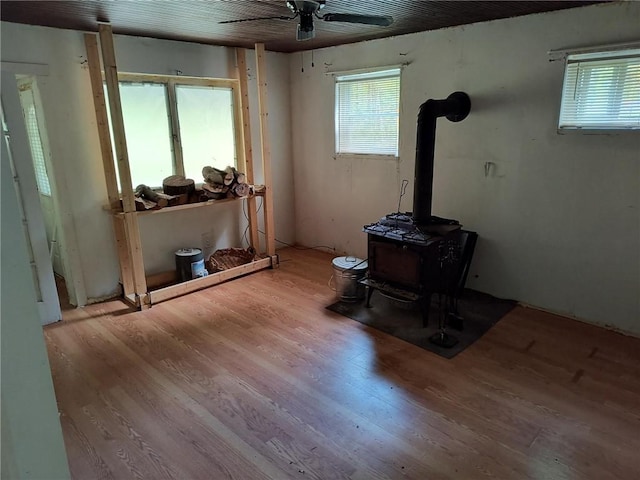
(225, 183)
(148, 199)
(178, 190)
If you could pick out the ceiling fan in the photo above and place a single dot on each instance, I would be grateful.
(306, 10)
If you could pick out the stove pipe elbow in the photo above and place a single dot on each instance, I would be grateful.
(455, 107)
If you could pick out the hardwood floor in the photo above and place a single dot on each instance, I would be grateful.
(255, 379)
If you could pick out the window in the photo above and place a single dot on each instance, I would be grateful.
(35, 143)
(367, 108)
(177, 125)
(602, 91)
(148, 130)
(206, 128)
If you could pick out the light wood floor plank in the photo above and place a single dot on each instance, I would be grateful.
(255, 379)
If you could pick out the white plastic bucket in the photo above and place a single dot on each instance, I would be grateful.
(346, 273)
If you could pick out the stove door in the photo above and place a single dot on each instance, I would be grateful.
(394, 262)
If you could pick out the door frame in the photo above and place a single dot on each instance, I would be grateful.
(15, 150)
(67, 238)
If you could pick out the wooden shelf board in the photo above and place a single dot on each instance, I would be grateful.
(189, 206)
(189, 286)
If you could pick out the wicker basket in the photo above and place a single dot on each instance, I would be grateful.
(229, 258)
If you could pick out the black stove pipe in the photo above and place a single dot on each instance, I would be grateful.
(456, 107)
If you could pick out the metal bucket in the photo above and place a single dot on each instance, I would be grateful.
(346, 273)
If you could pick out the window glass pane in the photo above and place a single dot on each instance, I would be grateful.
(205, 115)
(601, 92)
(148, 132)
(37, 153)
(367, 111)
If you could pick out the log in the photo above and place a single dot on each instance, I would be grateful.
(143, 204)
(213, 176)
(143, 191)
(241, 190)
(238, 177)
(171, 199)
(183, 199)
(215, 192)
(178, 185)
(230, 176)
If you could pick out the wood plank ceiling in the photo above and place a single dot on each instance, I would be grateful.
(197, 21)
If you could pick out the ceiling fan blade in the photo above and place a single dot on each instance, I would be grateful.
(279, 17)
(383, 21)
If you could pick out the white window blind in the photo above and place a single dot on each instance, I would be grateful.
(367, 107)
(601, 91)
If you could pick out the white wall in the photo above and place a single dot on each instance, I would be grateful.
(557, 217)
(68, 108)
(32, 445)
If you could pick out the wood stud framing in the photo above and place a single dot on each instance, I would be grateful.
(266, 149)
(102, 121)
(128, 200)
(208, 281)
(115, 107)
(95, 74)
(248, 150)
(125, 218)
(126, 273)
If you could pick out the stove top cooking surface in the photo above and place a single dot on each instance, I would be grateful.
(400, 226)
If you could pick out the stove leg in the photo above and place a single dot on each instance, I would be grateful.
(369, 293)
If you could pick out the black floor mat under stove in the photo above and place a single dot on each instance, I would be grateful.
(479, 310)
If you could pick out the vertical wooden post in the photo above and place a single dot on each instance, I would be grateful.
(122, 244)
(102, 121)
(93, 60)
(128, 199)
(248, 150)
(135, 252)
(266, 149)
(117, 121)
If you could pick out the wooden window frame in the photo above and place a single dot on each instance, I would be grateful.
(171, 82)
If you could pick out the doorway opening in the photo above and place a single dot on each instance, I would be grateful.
(41, 157)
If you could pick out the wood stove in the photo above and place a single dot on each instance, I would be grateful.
(410, 263)
(414, 254)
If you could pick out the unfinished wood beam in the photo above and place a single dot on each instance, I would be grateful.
(248, 150)
(117, 121)
(189, 286)
(135, 252)
(106, 150)
(126, 272)
(269, 227)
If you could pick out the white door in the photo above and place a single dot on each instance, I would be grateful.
(39, 153)
(16, 151)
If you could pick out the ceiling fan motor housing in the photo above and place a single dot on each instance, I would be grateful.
(305, 9)
(305, 6)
